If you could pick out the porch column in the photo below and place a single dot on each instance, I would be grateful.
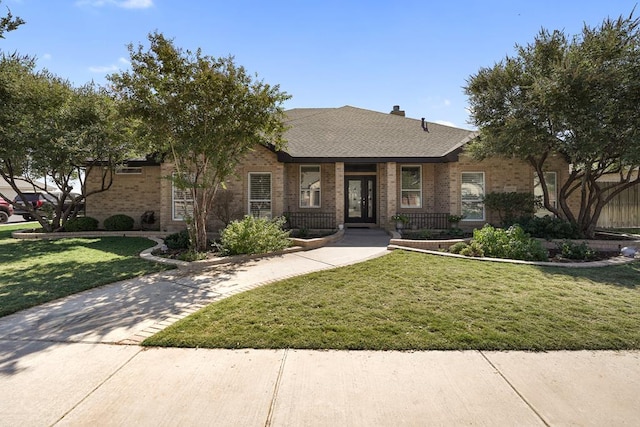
(392, 195)
(339, 191)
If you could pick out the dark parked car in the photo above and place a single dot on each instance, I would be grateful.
(43, 202)
(6, 210)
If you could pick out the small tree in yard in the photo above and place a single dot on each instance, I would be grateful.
(50, 130)
(577, 97)
(205, 113)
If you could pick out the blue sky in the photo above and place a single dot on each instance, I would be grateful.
(368, 54)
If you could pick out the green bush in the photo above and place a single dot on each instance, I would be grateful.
(81, 223)
(511, 205)
(119, 222)
(456, 248)
(254, 236)
(578, 251)
(178, 240)
(511, 243)
(472, 249)
(548, 227)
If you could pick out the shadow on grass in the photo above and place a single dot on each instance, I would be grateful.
(104, 314)
(627, 275)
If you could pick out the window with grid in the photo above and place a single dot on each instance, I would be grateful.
(551, 179)
(260, 194)
(411, 186)
(472, 195)
(182, 204)
(310, 186)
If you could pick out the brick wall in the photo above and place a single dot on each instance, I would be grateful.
(501, 175)
(130, 194)
(327, 187)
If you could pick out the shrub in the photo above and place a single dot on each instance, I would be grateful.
(191, 256)
(473, 249)
(548, 227)
(578, 251)
(512, 243)
(456, 248)
(178, 240)
(254, 236)
(81, 223)
(119, 222)
(511, 205)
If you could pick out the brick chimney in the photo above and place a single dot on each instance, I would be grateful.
(397, 111)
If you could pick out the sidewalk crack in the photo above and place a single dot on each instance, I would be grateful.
(276, 389)
(520, 395)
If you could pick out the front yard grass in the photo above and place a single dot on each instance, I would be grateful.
(36, 271)
(412, 301)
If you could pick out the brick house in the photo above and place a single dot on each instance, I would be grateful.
(341, 166)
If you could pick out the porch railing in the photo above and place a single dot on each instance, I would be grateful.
(434, 221)
(311, 220)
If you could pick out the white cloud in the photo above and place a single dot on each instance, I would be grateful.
(125, 4)
(445, 123)
(135, 4)
(47, 56)
(103, 69)
(447, 103)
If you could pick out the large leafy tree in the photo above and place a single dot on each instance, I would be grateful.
(205, 113)
(576, 96)
(52, 135)
(9, 22)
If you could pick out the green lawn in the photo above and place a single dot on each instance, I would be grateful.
(36, 271)
(412, 301)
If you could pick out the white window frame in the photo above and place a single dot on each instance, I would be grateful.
(412, 190)
(537, 188)
(478, 199)
(270, 200)
(310, 190)
(186, 198)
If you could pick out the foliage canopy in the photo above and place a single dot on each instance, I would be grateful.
(203, 112)
(577, 97)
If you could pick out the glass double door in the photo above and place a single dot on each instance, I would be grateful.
(360, 198)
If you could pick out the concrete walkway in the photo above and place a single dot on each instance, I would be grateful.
(63, 363)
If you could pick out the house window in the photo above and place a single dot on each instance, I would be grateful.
(260, 194)
(310, 186)
(472, 194)
(411, 187)
(182, 202)
(128, 171)
(551, 179)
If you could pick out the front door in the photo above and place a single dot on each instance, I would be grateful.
(360, 198)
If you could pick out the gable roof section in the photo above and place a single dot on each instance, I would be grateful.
(357, 135)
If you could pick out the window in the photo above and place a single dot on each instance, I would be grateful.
(310, 186)
(411, 187)
(182, 202)
(260, 194)
(551, 179)
(472, 192)
(128, 171)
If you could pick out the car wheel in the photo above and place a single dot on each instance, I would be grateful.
(4, 217)
(28, 217)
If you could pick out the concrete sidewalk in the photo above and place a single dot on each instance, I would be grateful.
(62, 363)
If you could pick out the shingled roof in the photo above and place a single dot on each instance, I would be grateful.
(354, 134)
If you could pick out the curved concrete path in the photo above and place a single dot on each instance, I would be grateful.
(63, 363)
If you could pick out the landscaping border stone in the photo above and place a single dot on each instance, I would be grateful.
(156, 236)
